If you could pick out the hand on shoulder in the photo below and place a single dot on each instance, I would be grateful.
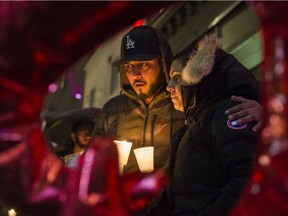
(246, 111)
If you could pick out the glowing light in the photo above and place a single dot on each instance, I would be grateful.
(76, 90)
(138, 23)
(278, 102)
(12, 212)
(145, 158)
(52, 87)
(123, 149)
(78, 96)
(264, 160)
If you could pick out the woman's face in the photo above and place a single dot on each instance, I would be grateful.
(174, 88)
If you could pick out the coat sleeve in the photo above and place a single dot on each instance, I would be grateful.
(108, 119)
(236, 146)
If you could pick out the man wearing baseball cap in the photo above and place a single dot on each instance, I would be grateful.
(143, 113)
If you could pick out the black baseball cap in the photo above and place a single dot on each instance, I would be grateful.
(140, 44)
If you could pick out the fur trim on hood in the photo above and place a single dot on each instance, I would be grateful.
(201, 61)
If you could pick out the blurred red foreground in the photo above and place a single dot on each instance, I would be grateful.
(39, 40)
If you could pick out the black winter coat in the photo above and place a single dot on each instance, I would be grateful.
(212, 164)
(212, 160)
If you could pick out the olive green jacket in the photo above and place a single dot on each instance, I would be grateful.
(127, 117)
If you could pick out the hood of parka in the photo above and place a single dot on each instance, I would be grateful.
(166, 60)
(212, 74)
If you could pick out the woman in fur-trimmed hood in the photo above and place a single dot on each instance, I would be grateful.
(213, 72)
(211, 156)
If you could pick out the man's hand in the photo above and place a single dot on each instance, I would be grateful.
(246, 111)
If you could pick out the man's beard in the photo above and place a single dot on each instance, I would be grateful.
(155, 88)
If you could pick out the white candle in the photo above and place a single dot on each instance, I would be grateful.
(12, 212)
(123, 148)
(145, 158)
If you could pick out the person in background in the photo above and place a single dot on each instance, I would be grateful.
(80, 135)
(211, 155)
(143, 114)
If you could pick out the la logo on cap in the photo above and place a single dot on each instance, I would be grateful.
(129, 43)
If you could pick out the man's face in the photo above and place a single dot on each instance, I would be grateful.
(145, 77)
(174, 88)
(83, 136)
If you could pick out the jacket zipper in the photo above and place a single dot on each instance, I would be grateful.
(145, 126)
(152, 128)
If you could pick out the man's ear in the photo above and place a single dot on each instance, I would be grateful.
(73, 136)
